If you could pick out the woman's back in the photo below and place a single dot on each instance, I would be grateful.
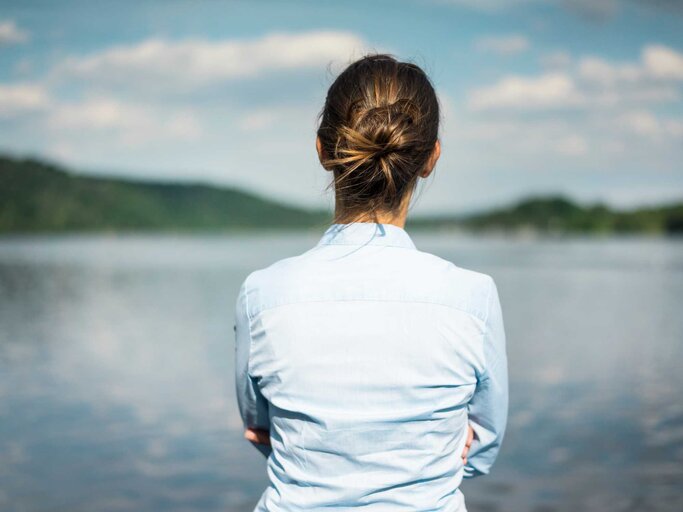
(366, 358)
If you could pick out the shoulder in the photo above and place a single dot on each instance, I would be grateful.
(464, 288)
(274, 273)
(266, 281)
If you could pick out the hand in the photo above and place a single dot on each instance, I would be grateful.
(257, 435)
(468, 443)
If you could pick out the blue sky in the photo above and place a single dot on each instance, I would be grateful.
(581, 97)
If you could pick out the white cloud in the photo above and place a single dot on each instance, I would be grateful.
(550, 90)
(503, 45)
(161, 65)
(641, 122)
(599, 71)
(646, 123)
(592, 82)
(663, 62)
(657, 63)
(130, 124)
(21, 98)
(97, 114)
(10, 33)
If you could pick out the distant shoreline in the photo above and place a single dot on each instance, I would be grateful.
(491, 235)
(40, 198)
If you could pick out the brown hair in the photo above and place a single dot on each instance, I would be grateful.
(377, 130)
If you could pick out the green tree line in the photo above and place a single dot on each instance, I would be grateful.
(38, 196)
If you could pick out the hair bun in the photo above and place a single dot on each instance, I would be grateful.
(378, 132)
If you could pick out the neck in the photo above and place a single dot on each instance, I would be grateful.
(396, 218)
(382, 219)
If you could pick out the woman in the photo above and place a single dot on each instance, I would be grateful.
(372, 374)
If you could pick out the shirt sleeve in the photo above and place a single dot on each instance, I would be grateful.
(253, 406)
(488, 408)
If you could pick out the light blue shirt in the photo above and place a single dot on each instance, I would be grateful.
(366, 358)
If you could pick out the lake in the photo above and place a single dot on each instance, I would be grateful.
(116, 371)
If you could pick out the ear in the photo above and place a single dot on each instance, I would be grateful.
(321, 153)
(432, 160)
(319, 148)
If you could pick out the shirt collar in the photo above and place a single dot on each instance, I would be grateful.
(367, 233)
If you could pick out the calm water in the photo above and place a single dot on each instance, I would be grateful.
(116, 389)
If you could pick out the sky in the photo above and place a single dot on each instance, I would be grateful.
(576, 97)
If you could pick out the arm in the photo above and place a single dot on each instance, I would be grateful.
(488, 408)
(252, 404)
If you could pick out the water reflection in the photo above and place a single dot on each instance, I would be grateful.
(116, 372)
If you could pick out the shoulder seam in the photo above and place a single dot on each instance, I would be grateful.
(450, 306)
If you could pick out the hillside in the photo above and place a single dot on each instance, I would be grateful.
(36, 196)
(560, 215)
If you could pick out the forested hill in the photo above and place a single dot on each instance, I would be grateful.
(558, 214)
(37, 196)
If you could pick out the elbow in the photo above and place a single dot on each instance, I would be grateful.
(480, 464)
(470, 471)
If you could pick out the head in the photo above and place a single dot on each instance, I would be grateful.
(378, 135)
